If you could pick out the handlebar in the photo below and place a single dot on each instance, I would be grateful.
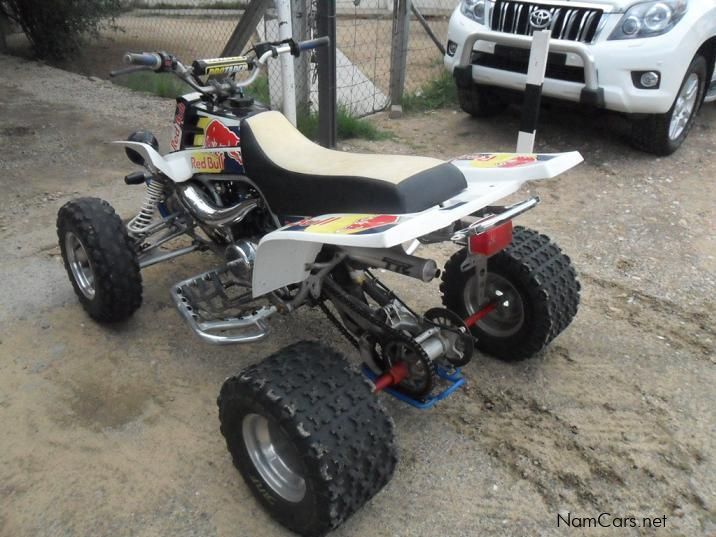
(163, 62)
(145, 59)
(314, 43)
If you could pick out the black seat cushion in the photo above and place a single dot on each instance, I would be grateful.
(347, 183)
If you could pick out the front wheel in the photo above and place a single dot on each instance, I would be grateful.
(534, 286)
(99, 258)
(662, 134)
(480, 101)
(308, 436)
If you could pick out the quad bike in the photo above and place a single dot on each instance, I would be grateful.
(295, 224)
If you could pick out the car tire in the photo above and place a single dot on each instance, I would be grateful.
(309, 406)
(480, 101)
(662, 134)
(540, 289)
(99, 259)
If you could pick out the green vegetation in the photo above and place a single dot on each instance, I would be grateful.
(57, 29)
(161, 84)
(440, 92)
(348, 126)
(218, 4)
(169, 86)
(259, 90)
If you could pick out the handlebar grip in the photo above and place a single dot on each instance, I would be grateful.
(145, 59)
(314, 43)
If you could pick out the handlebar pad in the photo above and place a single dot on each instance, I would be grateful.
(220, 66)
(314, 43)
(146, 59)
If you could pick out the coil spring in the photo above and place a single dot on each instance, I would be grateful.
(153, 195)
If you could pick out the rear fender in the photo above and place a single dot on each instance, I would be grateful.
(282, 255)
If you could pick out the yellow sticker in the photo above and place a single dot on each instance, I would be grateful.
(207, 162)
(499, 160)
(225, 70)
(345, 224)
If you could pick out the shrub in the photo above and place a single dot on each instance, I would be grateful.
(56, 28)
(439, 92)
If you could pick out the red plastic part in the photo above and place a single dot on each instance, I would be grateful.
(395, 375)
(491, 241)
(472, 319)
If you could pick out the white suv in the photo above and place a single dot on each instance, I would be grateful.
(653, 60)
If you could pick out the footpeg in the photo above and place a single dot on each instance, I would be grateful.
(216, 307)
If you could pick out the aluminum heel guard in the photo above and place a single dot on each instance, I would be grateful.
(210, 305)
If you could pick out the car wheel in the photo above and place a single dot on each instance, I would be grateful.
(480, 101)
(662, 134)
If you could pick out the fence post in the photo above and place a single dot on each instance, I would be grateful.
(427, 28)
(539, 53)
(398, 55)
(246, 27)
(326, 57)
(301, 32)
(288, 82)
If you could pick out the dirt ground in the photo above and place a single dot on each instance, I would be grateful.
(114, 431)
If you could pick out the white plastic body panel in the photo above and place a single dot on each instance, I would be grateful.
(181, 166)
(282, 255)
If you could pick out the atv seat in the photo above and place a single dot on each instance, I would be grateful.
(299, 177)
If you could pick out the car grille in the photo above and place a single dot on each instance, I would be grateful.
(514, 59)
(568, 23)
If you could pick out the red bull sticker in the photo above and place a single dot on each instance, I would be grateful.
(219, 135)
(349, 224)
(175, 142)
(502, 160)
(207, 162)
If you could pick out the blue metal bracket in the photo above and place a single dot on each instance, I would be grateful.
(455, 380)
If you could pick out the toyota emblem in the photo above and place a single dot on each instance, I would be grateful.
(540, 19)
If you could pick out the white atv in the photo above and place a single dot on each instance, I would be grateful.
(295, 224)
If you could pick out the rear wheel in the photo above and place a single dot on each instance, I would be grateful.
(534, 286)
(480, 101)
(309, 437)
(662, 134)
(99, 258)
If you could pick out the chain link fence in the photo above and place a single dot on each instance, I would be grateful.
(194, 29)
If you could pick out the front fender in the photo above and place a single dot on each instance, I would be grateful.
(180, 166)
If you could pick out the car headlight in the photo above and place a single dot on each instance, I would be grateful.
(649, 19)
(474, 9)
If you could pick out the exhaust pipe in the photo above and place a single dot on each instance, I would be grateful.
(205, 211)
(395, 260)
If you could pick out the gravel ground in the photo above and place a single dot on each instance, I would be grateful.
(114, 431)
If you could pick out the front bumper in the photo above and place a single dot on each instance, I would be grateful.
(607, 67)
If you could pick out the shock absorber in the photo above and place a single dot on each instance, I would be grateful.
(152, 197)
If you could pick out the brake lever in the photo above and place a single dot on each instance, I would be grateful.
(128, 70)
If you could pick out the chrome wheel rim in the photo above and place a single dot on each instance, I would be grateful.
(80, 265)
(509, 314)
(684, 106)
(274, 457)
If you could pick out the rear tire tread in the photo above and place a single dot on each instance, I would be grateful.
(346, 437)
(546, 275)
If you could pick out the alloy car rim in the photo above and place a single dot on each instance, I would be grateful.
(684, 106)
(274, 457)
(80, 265)
(509, 314)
